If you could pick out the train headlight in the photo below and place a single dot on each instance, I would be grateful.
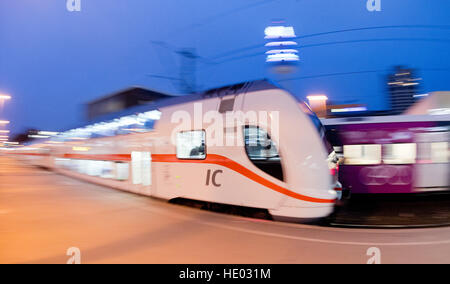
(333, 193)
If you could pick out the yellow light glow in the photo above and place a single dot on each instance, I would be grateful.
(5, 97)
(4, 131)
(4, 122)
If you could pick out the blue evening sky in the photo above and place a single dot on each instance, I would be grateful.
(52, 60)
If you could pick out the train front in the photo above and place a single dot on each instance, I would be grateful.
(308, 191)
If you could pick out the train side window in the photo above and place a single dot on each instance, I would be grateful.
(362, 154)
(436, 152)
(107, 170)
(122, 171)
(440, 152)
(404, 153)
(191, 145)
(262, 151)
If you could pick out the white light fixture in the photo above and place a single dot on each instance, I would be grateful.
(282, 57)
(281, 51)
(274, 32)
(281, 43)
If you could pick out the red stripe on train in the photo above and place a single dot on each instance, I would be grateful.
(232, 165)
(212, 159)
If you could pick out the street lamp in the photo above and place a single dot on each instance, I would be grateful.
(3, 122)
(4, 131)
(318, 104)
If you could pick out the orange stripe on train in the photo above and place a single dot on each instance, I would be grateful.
(232, 165)
(210, 159)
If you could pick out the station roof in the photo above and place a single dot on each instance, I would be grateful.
(170, 100)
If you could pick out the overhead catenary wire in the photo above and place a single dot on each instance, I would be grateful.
(210, 19)
(436, 40)
(447, 69)
(259, 45)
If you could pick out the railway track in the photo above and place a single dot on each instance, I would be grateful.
(393, 211)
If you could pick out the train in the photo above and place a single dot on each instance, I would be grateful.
(251, 144)
(403, 154)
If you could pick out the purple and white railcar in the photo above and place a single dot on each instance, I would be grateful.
(392, 154)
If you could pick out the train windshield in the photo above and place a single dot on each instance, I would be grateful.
(318, 124)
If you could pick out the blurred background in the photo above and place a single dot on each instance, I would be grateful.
(53, 61)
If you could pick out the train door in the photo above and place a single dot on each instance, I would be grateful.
(432, 168)
(230, 102)
(141, 169)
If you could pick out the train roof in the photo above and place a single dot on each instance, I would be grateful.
(234, 89)
(244, 87)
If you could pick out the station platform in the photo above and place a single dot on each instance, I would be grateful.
(43, 214)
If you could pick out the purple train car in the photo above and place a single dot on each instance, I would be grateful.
(392, 154)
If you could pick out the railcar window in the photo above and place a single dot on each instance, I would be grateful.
(191, 145)
(404, 153)
(123, 171)
(436, 152)
(440, 152)
(136, 167)
(262, 151)
(362, 154)
(141, 168)
(107, 170)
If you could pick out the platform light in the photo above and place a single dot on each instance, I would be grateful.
(5, 97)
(4, 131)
(317, 98)
(4, 122)
(318, 104)
(48, 133)
(114, 125)
(349, 109)
(38, 136)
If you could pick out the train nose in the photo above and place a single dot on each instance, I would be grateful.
(338, 189)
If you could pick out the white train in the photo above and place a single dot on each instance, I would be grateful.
(279, 165)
